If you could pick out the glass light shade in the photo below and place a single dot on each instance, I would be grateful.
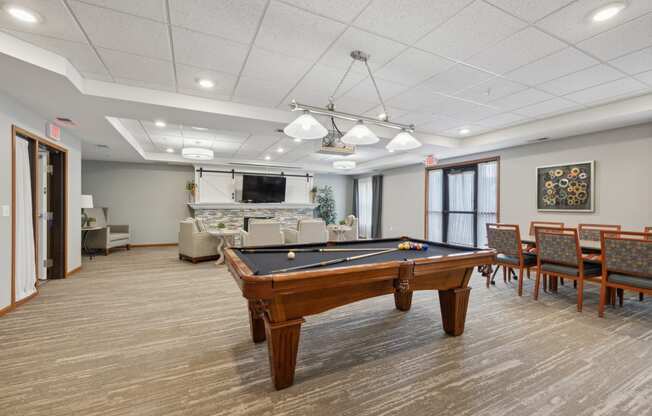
(360, 134)
(86, 201)
(305, 127)
(197, 153)
(403, 141)
(344, 164)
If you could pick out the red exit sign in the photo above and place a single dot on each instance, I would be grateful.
(53, 131)
(430, 161)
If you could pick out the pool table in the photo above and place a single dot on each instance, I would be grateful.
(278, 301)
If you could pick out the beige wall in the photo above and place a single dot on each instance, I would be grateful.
(623, 182)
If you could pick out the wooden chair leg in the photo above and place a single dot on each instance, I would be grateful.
(580, 294)
(574, 284)
(612, 297)
(620, 297)
(603, 300)
(528, 272)
(561, 281)
(537, 281)
(641, 296)
(545, 282)
(520, 281)
(505, 274)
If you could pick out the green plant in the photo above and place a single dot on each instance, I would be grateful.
(326, 204)
(314, 189)
(342, 222)
(191, 186)
(91, 220)
(221, 226)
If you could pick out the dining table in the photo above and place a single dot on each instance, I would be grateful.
(585, 245)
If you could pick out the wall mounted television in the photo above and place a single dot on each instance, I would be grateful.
(259, 189)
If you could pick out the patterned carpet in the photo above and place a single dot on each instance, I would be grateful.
(140, 333)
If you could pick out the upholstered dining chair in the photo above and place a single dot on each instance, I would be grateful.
(559, 256)
(626, 265)
(648, 232)
(592, 232)
(532, 230)
(506, 240)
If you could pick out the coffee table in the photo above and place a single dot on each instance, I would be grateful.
(224, 240)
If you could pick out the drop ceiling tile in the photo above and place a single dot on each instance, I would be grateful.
(622, 40)
(259, 92)
(635, 62)
(501, 120)
(608, 92)
(344, 10)
(365, 91)
(547, 108)
(530, 10)
(465, 111)
(645, 77)
(152, 9)
(320, 83)
(553, 66)
(380, 50)
(573, 23)
(80, 55)
(210, 52)
(189, 133)
(455, 79)
(413, 66)
(490, 90)
(416, 99)
(294, 32)
(394, 113)
(350, 104)
(469, 32)
(224, 148)
(57, 23)
(437, 123)
(474, 130)
(519, 49)
(407, 20)
(231, 136)
(580, 80)
(521, 99)
(273, 66)
(123, 32)
(139, 70)
(230, 19)
(187, 77)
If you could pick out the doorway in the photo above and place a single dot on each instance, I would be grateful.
(39, 213)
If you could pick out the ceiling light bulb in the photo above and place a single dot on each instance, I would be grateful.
(160, 123)
(344, 164)
(169, 150)
(24, 15)
(268, 157)
(382, 117)
(360, 135)
(305, 127)
(403, 141)
(297, 140)
(205, 83)
(465, 131)
(607, 12)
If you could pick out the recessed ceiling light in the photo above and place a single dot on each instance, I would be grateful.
(465, 131)
(205, 83)
(199, 128)
(160, 123)
(607, 11)
(391, 150)
(382, 117)
(169, 150)
(23, 14)
(297, 140)
(279, 150)
(268, 157)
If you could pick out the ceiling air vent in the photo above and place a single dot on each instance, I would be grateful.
(540, 139)
(65, 122)
(103, 146)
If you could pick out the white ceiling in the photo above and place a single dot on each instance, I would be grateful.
(443, 65)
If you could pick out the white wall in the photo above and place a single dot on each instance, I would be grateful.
(623, 182)
(150, 198)
(14, 113)
(342, 191)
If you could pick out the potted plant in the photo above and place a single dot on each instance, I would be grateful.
(313, 194)
(342, 222)
(91, 222)
(191, 187)
(221, 226)
(326, 204)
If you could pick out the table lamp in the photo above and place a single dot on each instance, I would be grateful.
(86, 201)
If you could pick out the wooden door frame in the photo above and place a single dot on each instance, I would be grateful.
(38, 142)
(459, 165)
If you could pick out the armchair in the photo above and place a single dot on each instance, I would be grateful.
(195, 245)
(308, 231)
(109, 235)
(262, 233)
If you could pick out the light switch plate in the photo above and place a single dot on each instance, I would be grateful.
(6, 211)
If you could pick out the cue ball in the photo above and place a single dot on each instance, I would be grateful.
(291, 255)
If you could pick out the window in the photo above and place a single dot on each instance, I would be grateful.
(461, 200)
(365, 192)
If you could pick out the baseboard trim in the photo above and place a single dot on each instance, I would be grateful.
(27, 299)
(6, 309)
(74, 271)
(154, 245)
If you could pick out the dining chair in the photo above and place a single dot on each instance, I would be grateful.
(530, 248)
(592, 232)
(506, 240)
(559, 256)
(627, 264)
(648, 232)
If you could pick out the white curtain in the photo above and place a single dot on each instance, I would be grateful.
(435, 205)
(460, 198)
(25, 260)
(487, 204)
(365, 192)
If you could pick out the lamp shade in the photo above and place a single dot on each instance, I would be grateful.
(197, 153)
(403, 141)
(344, 164)
(305, 127)
(86, 201)
(360, 134)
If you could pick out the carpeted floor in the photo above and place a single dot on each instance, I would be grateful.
(141, 333)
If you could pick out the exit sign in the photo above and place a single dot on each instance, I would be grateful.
(430, 161)
(53, 131)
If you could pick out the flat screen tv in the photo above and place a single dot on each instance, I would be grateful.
(263, 188)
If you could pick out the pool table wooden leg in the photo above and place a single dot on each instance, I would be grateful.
(453, 303)
(256, 323)
(282, 346)
(403, 300)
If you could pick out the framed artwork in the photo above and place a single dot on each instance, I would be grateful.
(568, 187)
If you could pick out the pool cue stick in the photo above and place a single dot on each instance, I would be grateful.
(308, 250)
(334, 261)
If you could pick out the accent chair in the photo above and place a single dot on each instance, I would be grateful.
(109, 236)
(262, 233)
(308, 231)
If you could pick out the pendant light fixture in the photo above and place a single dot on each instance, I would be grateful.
(403, 141)
(305, 127)
(360, 134)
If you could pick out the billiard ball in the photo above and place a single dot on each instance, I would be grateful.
(291, 255)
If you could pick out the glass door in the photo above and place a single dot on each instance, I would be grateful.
(460, 206)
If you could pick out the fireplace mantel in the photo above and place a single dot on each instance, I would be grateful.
(240, 205)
